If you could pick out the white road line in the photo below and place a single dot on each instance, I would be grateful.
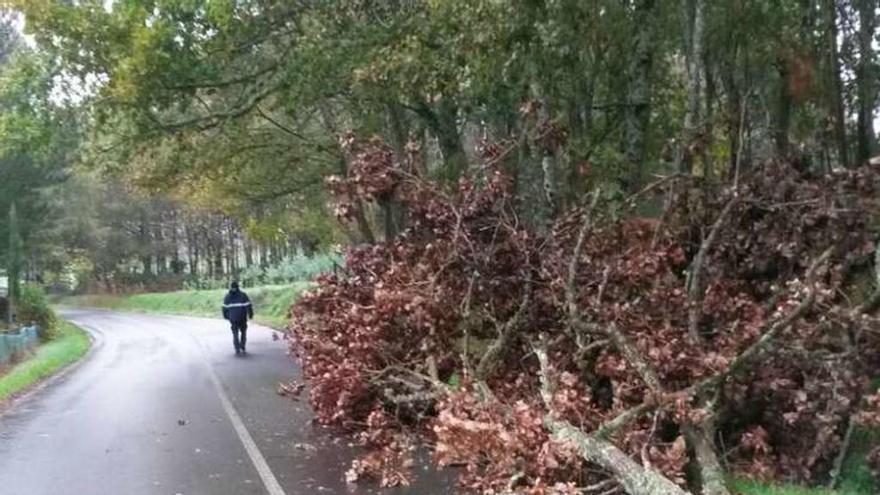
(272, 485)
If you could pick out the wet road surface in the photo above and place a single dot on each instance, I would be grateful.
(162, 405)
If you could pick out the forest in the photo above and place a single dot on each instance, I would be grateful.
(587, 246)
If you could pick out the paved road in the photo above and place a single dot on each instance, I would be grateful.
(113, 425)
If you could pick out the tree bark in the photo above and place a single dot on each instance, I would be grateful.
(696, 69)
(838, 108)
(146, 242)
(782, 117)
(248, 253)
(638, 108)
(442, 121)
(701, 437)
(865, 80)
(709, 121)
(633, 477)
(449, 139)
(734, 117)
(360, 216)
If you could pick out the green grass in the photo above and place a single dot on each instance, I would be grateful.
(70, 345)
(855, 477)
(271, 303)
(749, 487)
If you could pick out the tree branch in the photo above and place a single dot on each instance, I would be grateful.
(695, 285)
(710, 383)
(633, 477)
(490, 360)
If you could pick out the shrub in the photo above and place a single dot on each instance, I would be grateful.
(300, 268)
(33, 308)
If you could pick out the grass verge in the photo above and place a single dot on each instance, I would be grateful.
(750, 487)
(271, 303)
(70, 345)
(855, 476)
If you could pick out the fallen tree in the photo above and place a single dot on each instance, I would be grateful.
(611, 354)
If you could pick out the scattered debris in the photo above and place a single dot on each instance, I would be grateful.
(291, 389)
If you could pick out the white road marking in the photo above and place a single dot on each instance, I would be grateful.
(272, 485)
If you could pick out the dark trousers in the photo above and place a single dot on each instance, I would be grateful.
(239, 334)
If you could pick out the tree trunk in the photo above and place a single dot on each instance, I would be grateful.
(691, 132)
(638, 108)
(865, 80)
(733, 116)
(177, 265)
(209, 261)
(360, 216)
(633, 477)
(248, 253)
(709, 123)
(145, 240)
(393, 212)
(194, 268)
(838, 109)
(701, 437)
(449, 139)
(161, 258)
(13, 266)
(782, 117)
(232, 250)
(218, 262)
(261, 254)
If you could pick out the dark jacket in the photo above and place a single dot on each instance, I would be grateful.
(237, 307)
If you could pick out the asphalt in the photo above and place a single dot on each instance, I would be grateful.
(144, 414)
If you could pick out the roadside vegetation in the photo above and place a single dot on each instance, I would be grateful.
(32, 308)
(69, 345)
(60, 343)
(271, 303)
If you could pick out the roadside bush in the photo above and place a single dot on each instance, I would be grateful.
(297, 268)
(300, 268)
(33, 308)
(205, 283)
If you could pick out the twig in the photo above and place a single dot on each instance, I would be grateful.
(695, 286)
(646, 460)
(465, 323)
(492, 356)
(575, 320)
(607, 429)
(631, 199)
(841, 455)
(632, 354)
(586, 226)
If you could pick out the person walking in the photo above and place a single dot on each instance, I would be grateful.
(237, 309)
